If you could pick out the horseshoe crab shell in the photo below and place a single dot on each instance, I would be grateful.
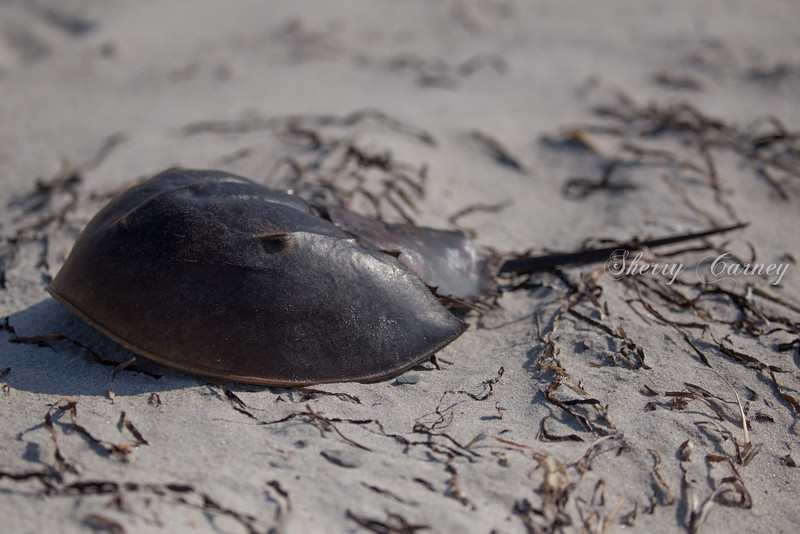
(213, 274)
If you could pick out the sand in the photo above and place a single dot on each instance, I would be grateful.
(581, 402)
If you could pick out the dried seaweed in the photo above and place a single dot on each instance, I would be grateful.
(128, 424)
(582, 463)
(44, 340)
(390, 494)
(342, 173)
(453, 489)
(474, 208)
(237, 403)
(585, 409)
(311, 393)
(629, 519)
(543, 433)
(685, 451)
(678, 81)
(43, 476)
(747, 445)
(435, 429)
(731, 491)
(595, 522)
(323, 423)
(554, 489)
(340, 458)
(487, 385)
(394, 524)
(439, 72)
(61, 465)
(69, 405)
(332, 167)
(580, 187)
(254, 123)
(424, 483)
(677, 325)
(764, 173)
(173, 493)
(630, 350)
(497, 151)
(660, 316)
(29, 216)
(2, 269)
(765, 146)
(687, 395)
(109, 144)
(793, 402)
(47, 206)
(100, 522)
(666, 493)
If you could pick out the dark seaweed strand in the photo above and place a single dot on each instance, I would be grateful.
(531, 264)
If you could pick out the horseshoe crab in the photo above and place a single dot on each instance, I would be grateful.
(216, 275)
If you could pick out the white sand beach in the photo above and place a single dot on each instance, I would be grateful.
(582, 402)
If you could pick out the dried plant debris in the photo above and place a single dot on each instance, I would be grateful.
(325, 424)
(645, 136)
(487, 387)
(685, 451)
(548, 436)
(54, 477)
(560, 478)
(729, 491)
(69, 405)
(47, 340)
(255, 123)
(128, 424)
(497, 151)
(776, 74)
(580, 187)
(554, 490)
(675, 80)
(666, 494)
(592, 415)
(342, 173)
(701, 316)
(128, 502)
(390, 494)
(327, 163)
(476, 208)
(393, 524)
(342, 458)
(145, 503)
(437, 72)
(32, 223)
(32, 219)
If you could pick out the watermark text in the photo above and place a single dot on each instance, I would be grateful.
(709, 270)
